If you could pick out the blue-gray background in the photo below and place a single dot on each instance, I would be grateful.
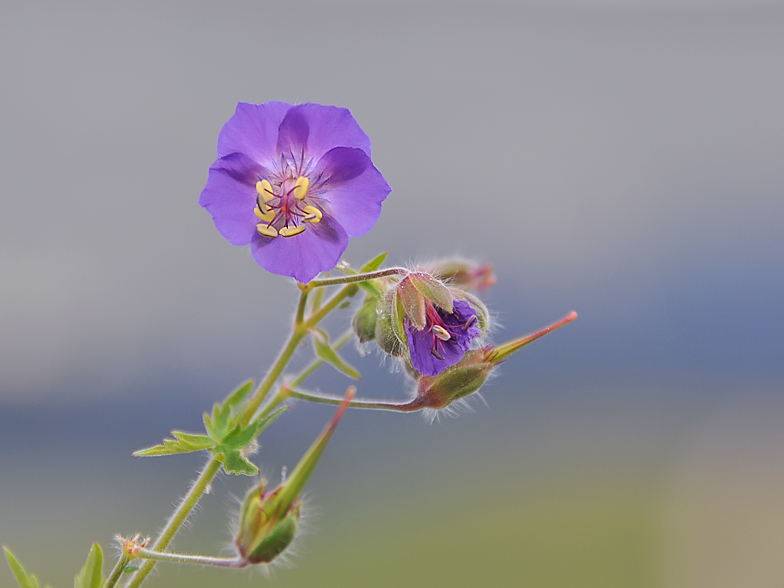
(621, 159)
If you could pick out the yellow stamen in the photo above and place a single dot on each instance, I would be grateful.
(264, 189)
(441, 333)
(267, 215)
(312, 214)
(266, 230)
(301, 187)
(291, 231)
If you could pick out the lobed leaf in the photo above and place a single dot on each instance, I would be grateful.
(182, 443)
(91, 574)
(234, 462)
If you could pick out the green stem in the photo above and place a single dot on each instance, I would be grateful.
(178, 518)
(203, 560)
(283, 392)
(356, 278)
(410, 406)
(331, 305)
(117, 571)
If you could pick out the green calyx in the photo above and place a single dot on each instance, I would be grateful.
(455, 382)
(266, 530)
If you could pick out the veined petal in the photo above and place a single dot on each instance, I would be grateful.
(328, 127)
(339, 165)
(356, 203)
(230, 196)
(253, 130)
(303, 256)
(293, 136)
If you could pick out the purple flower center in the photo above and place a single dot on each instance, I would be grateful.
(283, 207)
(444, 340)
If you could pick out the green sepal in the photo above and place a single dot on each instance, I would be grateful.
(413, 303)
(131, 568)
(433, 290)
(326, 353)
(398, 314)
(91, 574)
(374, 263)
(24, 579)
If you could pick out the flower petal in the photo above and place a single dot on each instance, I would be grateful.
(355, 200)
(230, 196)
(328, 127)
(253, 130)
(303, 256)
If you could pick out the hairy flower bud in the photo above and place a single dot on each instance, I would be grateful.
(364, 322)
(269, 520)
(265, 532)
(462, 273)
(455, 382)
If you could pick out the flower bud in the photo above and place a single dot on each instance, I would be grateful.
(455, 382)
(365, 320)
(265, 532)
(269, 520)
(471, 372)
(462, 273)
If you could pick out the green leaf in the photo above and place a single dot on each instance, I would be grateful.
(373, 264)
(182, 443)
(129, 569)
(325, 352)
(91, 575)
(24, 579)
(234, 462)
(237, 397)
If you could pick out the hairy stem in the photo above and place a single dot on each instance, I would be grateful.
(392, 271)
(178, 518)
(410, 406)
(117, 571)
(203, 560)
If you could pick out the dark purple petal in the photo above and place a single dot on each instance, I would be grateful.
(356, 203)
(253, 130)
(339, 165)
(293, 136)
(304, 256)
(421, 343)
(330, 126)
(230, 197)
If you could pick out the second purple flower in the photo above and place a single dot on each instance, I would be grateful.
(294, 183)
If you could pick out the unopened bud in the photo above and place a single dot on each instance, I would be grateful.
(269, 520)
(365, 319)
(462, 273)
(455, 382)
(265, 532)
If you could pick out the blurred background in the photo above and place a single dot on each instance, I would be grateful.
(623, 159)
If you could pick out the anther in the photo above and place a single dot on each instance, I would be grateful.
(266, 230)
(264, 189)
(291, 231)
(441, 333)
(301, 187)
(312, 214)
(264, 212)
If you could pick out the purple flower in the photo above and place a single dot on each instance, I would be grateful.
(444, 340)
(294, 183)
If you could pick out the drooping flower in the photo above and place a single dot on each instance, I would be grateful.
(294, 183)
(444, 340)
